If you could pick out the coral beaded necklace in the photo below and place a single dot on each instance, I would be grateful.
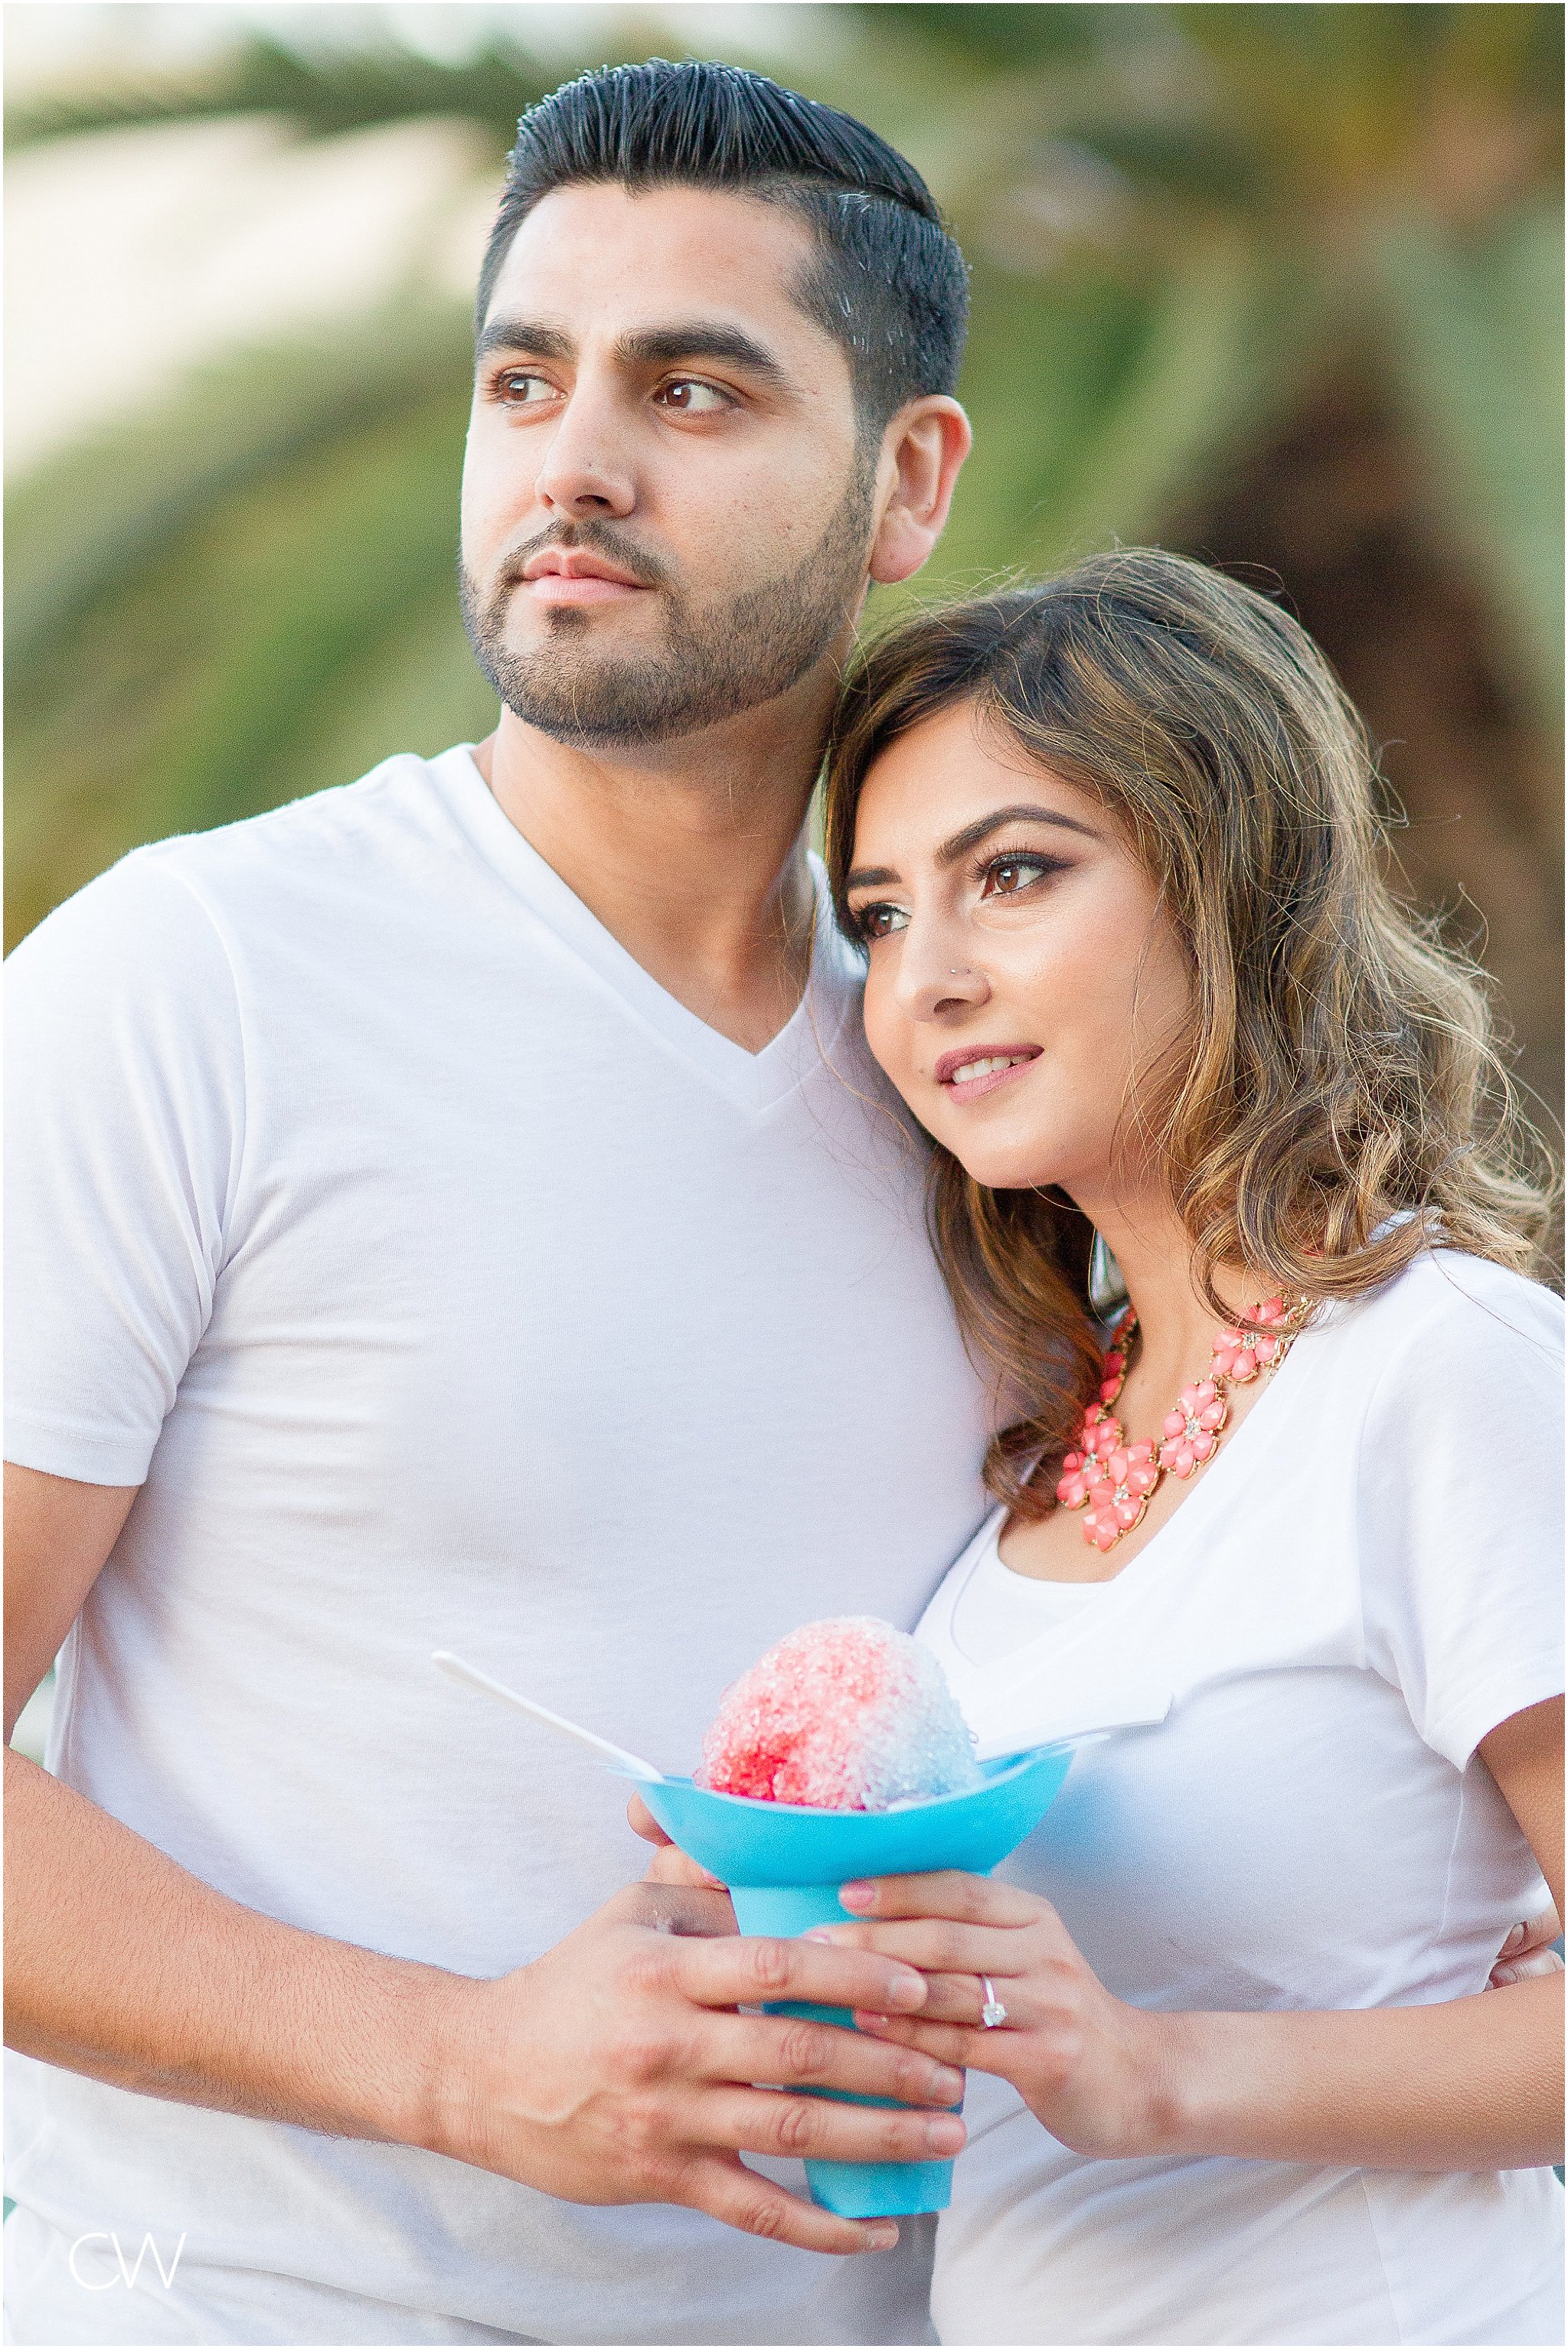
(1113, 1480)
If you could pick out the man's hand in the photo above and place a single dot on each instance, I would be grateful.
(1528, 1952)
(669, 1864)
(616, 2069)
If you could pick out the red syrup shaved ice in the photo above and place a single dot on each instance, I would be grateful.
(846, 1714)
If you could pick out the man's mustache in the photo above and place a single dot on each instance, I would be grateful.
(595, 537)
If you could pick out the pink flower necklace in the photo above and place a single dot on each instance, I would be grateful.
(1112, 1480)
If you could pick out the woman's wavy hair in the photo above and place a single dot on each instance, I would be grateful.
(1342, 1103)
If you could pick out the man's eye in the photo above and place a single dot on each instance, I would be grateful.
(881, 921)
(520, 389)
(689, 397)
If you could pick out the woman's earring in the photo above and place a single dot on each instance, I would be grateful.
(1107, 1288)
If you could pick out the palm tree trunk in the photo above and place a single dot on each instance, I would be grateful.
(1336, 505)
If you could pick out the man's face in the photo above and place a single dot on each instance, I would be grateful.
(666, 504)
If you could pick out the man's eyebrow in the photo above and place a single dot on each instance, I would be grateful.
(698, 338)
(524, 335)
(1021, 813)
(644, 347)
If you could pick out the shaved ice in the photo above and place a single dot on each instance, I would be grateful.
(846, 1714)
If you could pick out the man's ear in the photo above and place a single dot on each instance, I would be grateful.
(925, 444)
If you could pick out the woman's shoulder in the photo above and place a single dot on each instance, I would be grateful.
(1448, 1312)
(1459, 1486)
(1452, 1376)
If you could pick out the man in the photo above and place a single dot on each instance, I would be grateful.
(455, 1211)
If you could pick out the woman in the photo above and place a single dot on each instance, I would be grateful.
(1286, 1531)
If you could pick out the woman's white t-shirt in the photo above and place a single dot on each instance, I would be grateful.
(1290, 1815)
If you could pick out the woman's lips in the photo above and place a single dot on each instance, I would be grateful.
(968, 1074)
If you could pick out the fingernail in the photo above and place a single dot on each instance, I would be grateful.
(945, 2135)
(869, 2022)
(907, 1991)
(881, 2239)
(857, 1896)
(818, 1934)
(947, 2083)
(1515, 1935)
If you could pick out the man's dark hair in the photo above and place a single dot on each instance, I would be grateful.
(889, 283)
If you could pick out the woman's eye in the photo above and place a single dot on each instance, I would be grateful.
(1005, 876)
(692, 399)
(520, 389)
(881, 921)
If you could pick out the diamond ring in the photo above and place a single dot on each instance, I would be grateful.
(993, 2013)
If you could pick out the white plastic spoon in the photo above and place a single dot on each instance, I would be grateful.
(631, 1763)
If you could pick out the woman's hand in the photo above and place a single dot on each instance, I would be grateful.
(1088, 2066)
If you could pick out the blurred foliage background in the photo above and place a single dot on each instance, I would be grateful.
(1280, 286)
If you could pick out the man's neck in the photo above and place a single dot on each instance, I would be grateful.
(691, 852)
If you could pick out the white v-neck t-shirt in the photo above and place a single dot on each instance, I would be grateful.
(1288, 1813)
(999, 1612)
(449, 1285)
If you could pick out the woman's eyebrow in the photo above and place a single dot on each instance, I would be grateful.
(1022, 812)
(882, 876)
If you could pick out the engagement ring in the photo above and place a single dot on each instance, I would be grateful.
(993, 2013)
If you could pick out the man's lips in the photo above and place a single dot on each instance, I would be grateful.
(570, 575)
(978, 1069)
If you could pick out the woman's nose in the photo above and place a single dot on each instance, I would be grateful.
(935, 978)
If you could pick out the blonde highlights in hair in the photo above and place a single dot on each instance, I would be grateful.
(1342, 1105)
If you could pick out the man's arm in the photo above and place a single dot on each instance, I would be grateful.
(122, 1964)
(613, 2069)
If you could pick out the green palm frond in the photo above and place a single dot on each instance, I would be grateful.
(322, 95)
(250, 632)
(1099, 406)
(1477, 327)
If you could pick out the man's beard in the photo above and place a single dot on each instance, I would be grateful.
(717, 660)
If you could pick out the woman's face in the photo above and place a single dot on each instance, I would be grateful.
(1023, 982)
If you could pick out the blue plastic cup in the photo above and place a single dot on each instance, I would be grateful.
(784, 1865)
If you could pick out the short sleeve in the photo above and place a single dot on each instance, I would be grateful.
(125, 1102)
(1460, 1505)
